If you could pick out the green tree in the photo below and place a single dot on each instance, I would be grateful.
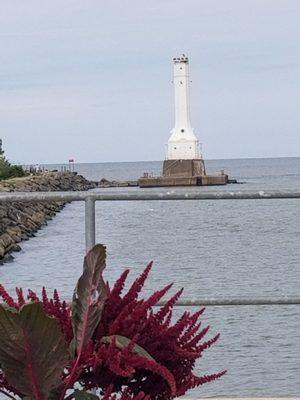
(6, 169)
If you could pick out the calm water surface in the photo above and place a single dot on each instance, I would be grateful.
(212, 248)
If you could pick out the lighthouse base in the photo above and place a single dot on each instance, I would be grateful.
(183, 168)
(183, 173)
(162, 181)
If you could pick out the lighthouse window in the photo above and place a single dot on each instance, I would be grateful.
(174, 148)
(182, 130)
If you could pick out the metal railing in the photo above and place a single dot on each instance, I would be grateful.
(90, 233)
(90, 225)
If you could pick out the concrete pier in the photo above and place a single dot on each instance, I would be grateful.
(205, 180)
(183, 173)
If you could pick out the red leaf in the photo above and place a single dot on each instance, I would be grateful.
(89, 297)
(33, 351)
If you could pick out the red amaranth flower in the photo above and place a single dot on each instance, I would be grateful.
(7, 298)
(124, 395)
(55, 308)
(136, 352)
(174, 348)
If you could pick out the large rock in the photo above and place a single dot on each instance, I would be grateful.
(19, 220)
(6, 240)
(2, 251)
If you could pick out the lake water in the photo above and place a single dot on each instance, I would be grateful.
(212, 248)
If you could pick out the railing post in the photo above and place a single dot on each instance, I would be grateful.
(90, 231)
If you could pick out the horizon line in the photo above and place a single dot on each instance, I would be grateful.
(145, 161)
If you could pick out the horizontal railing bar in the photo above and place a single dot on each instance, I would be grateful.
(91, 197)
(255, 301)
(151, 195)
(238, 301)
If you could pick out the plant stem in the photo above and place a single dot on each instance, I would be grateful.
(70, 378)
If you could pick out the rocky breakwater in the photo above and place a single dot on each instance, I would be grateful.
(20, 220)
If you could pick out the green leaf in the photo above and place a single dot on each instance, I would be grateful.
(122, 342)
(83, 395)
(33, 351)
(89, 297)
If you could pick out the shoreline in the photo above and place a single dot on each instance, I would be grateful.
(19, 221)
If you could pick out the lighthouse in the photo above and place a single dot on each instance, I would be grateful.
(183, 165)
(183, 144)
(183, 157)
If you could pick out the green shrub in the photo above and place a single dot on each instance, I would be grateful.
(7, 170)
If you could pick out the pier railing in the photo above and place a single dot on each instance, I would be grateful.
(90, 224)
(90, 234)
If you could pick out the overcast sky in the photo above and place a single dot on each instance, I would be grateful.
(91, 79)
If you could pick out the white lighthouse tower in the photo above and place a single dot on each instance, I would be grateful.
(183, 143)
(184, 165)
(183, 157)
